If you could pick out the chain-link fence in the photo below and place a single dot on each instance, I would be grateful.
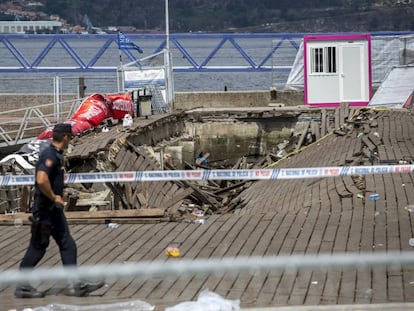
(70, 83)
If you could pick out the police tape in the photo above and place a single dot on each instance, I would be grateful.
(200, 175)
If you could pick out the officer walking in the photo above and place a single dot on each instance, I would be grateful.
(48, 217)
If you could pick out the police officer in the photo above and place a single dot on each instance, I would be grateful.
(48, 217)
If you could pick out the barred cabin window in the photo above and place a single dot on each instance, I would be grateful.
(330, 53)
(323, 60)
(317, 60)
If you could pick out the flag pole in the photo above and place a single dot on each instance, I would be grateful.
(124, 43)
(168, 61)
(121, 70)
(121, 67)
(167, 26)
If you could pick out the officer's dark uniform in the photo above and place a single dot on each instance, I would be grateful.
(49, 220)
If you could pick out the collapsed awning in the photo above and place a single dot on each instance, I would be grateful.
(396, 89)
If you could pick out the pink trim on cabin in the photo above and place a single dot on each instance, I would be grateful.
(369, 66)
(336, 38)
(330, 105)
(305, 69)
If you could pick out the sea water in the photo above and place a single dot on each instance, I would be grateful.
(184, 81)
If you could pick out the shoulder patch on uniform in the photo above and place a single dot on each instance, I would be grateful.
(49, 163)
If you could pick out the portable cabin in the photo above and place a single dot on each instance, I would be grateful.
(337, 68)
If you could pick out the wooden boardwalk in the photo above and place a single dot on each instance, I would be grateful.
(281, 217)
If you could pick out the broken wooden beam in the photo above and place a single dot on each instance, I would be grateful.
(178, 196)
(8, 219)
(302, 136)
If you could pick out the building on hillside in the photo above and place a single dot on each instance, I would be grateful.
(30, 26)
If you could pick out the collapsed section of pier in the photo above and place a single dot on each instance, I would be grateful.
(247, 138)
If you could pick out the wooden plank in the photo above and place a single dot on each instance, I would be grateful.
(203, 196)
(123, 241)
(151, 240)
(178, 196)
(129, 156)
(139, 166)
(135, 186)
(368, 143)
(303, 278)
(366, 128)
(352, 146)
(337, 121)
(343, 156)
(128, 195)
(376, 140)
(155, 249)
(345, 112)
(302, 136)
(326, 288)
(330, 115)
(243, 245)
(354, 237)
(381, 217)
(369, 216)
(351, 114)
(316, 130)
(153, 188)
(347, 289)
(142, 200)
(168, 190)
(192, 247)
(153, 212)
(382, 155)
(342, 113)
(350, 185)
(357, 147)
(162, 189)
(341, 189)
(254, 288)
(120, 157)
(143, 239)
(118, 220)
(181, 241)
(106, 250)
(136, 197)
(12, 250)
(323, 122)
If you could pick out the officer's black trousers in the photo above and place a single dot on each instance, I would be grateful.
(54, 225)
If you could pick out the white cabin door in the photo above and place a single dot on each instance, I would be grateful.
(351, 70)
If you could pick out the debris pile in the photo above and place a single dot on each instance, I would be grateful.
(194, 201)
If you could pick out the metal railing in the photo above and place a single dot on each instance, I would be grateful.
(19, 126)
(222, 265)
(190, 52)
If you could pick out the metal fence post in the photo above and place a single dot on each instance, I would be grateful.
(57, 95)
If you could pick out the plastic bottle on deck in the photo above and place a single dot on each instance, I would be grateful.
(409, 208)
(374, 196)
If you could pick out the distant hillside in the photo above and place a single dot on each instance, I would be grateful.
(241, 15)
(383, 19)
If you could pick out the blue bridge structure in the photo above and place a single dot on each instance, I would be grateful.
(99, 53)
(201, 52)
(200, 61)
